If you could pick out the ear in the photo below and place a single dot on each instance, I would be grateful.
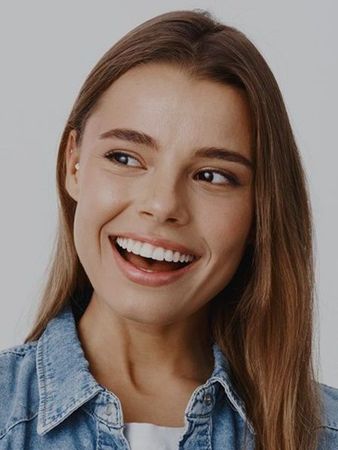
(72, 156)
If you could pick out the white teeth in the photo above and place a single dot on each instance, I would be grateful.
(157, 254)
(146, 249)
(149, 251)
(176, 256)
(137, 246)
(129, 245)
(168, 255)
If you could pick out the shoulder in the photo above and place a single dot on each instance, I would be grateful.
(17, 363)
(329, 397)
(328, 433)
(18, 385)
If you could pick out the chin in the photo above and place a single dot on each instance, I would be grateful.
(145, 314)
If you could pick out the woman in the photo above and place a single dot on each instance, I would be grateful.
(178, 308)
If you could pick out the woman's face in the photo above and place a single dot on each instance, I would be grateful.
(166, 186)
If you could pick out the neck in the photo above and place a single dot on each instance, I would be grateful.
(145, 354)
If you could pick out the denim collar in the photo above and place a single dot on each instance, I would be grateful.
(65, 382)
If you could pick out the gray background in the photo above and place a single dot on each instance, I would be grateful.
(47, 50)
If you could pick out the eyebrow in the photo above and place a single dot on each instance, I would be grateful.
(138, 137)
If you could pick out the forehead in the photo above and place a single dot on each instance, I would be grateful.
(167, 103)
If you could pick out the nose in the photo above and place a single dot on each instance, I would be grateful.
(163, 200)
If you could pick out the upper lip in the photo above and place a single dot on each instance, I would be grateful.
(158, 242)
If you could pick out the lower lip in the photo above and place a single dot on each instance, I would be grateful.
(146, 278)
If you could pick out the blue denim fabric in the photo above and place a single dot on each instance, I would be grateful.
(50, 400)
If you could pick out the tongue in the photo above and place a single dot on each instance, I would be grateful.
(151, 264)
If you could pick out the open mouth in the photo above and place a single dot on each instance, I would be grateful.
(148, 264)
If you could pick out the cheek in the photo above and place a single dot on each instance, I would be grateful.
(226, 226)
(99, 201)
(225, 229)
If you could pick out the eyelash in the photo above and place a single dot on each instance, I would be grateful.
(232, 179)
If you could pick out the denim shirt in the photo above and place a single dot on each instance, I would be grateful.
(50, 400)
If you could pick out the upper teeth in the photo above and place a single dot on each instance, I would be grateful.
(150, 251)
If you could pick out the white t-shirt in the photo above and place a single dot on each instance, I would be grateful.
(147, 436)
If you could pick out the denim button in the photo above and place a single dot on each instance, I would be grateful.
(208, 399)
(109, 409)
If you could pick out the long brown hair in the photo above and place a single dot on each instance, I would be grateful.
(262, 320)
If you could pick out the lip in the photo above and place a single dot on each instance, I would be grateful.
(148, 278)
(159, 242)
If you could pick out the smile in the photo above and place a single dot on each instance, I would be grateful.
(147, 250)
(165, 268)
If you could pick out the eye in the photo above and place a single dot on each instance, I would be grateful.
(121, 158)
(218, 176)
